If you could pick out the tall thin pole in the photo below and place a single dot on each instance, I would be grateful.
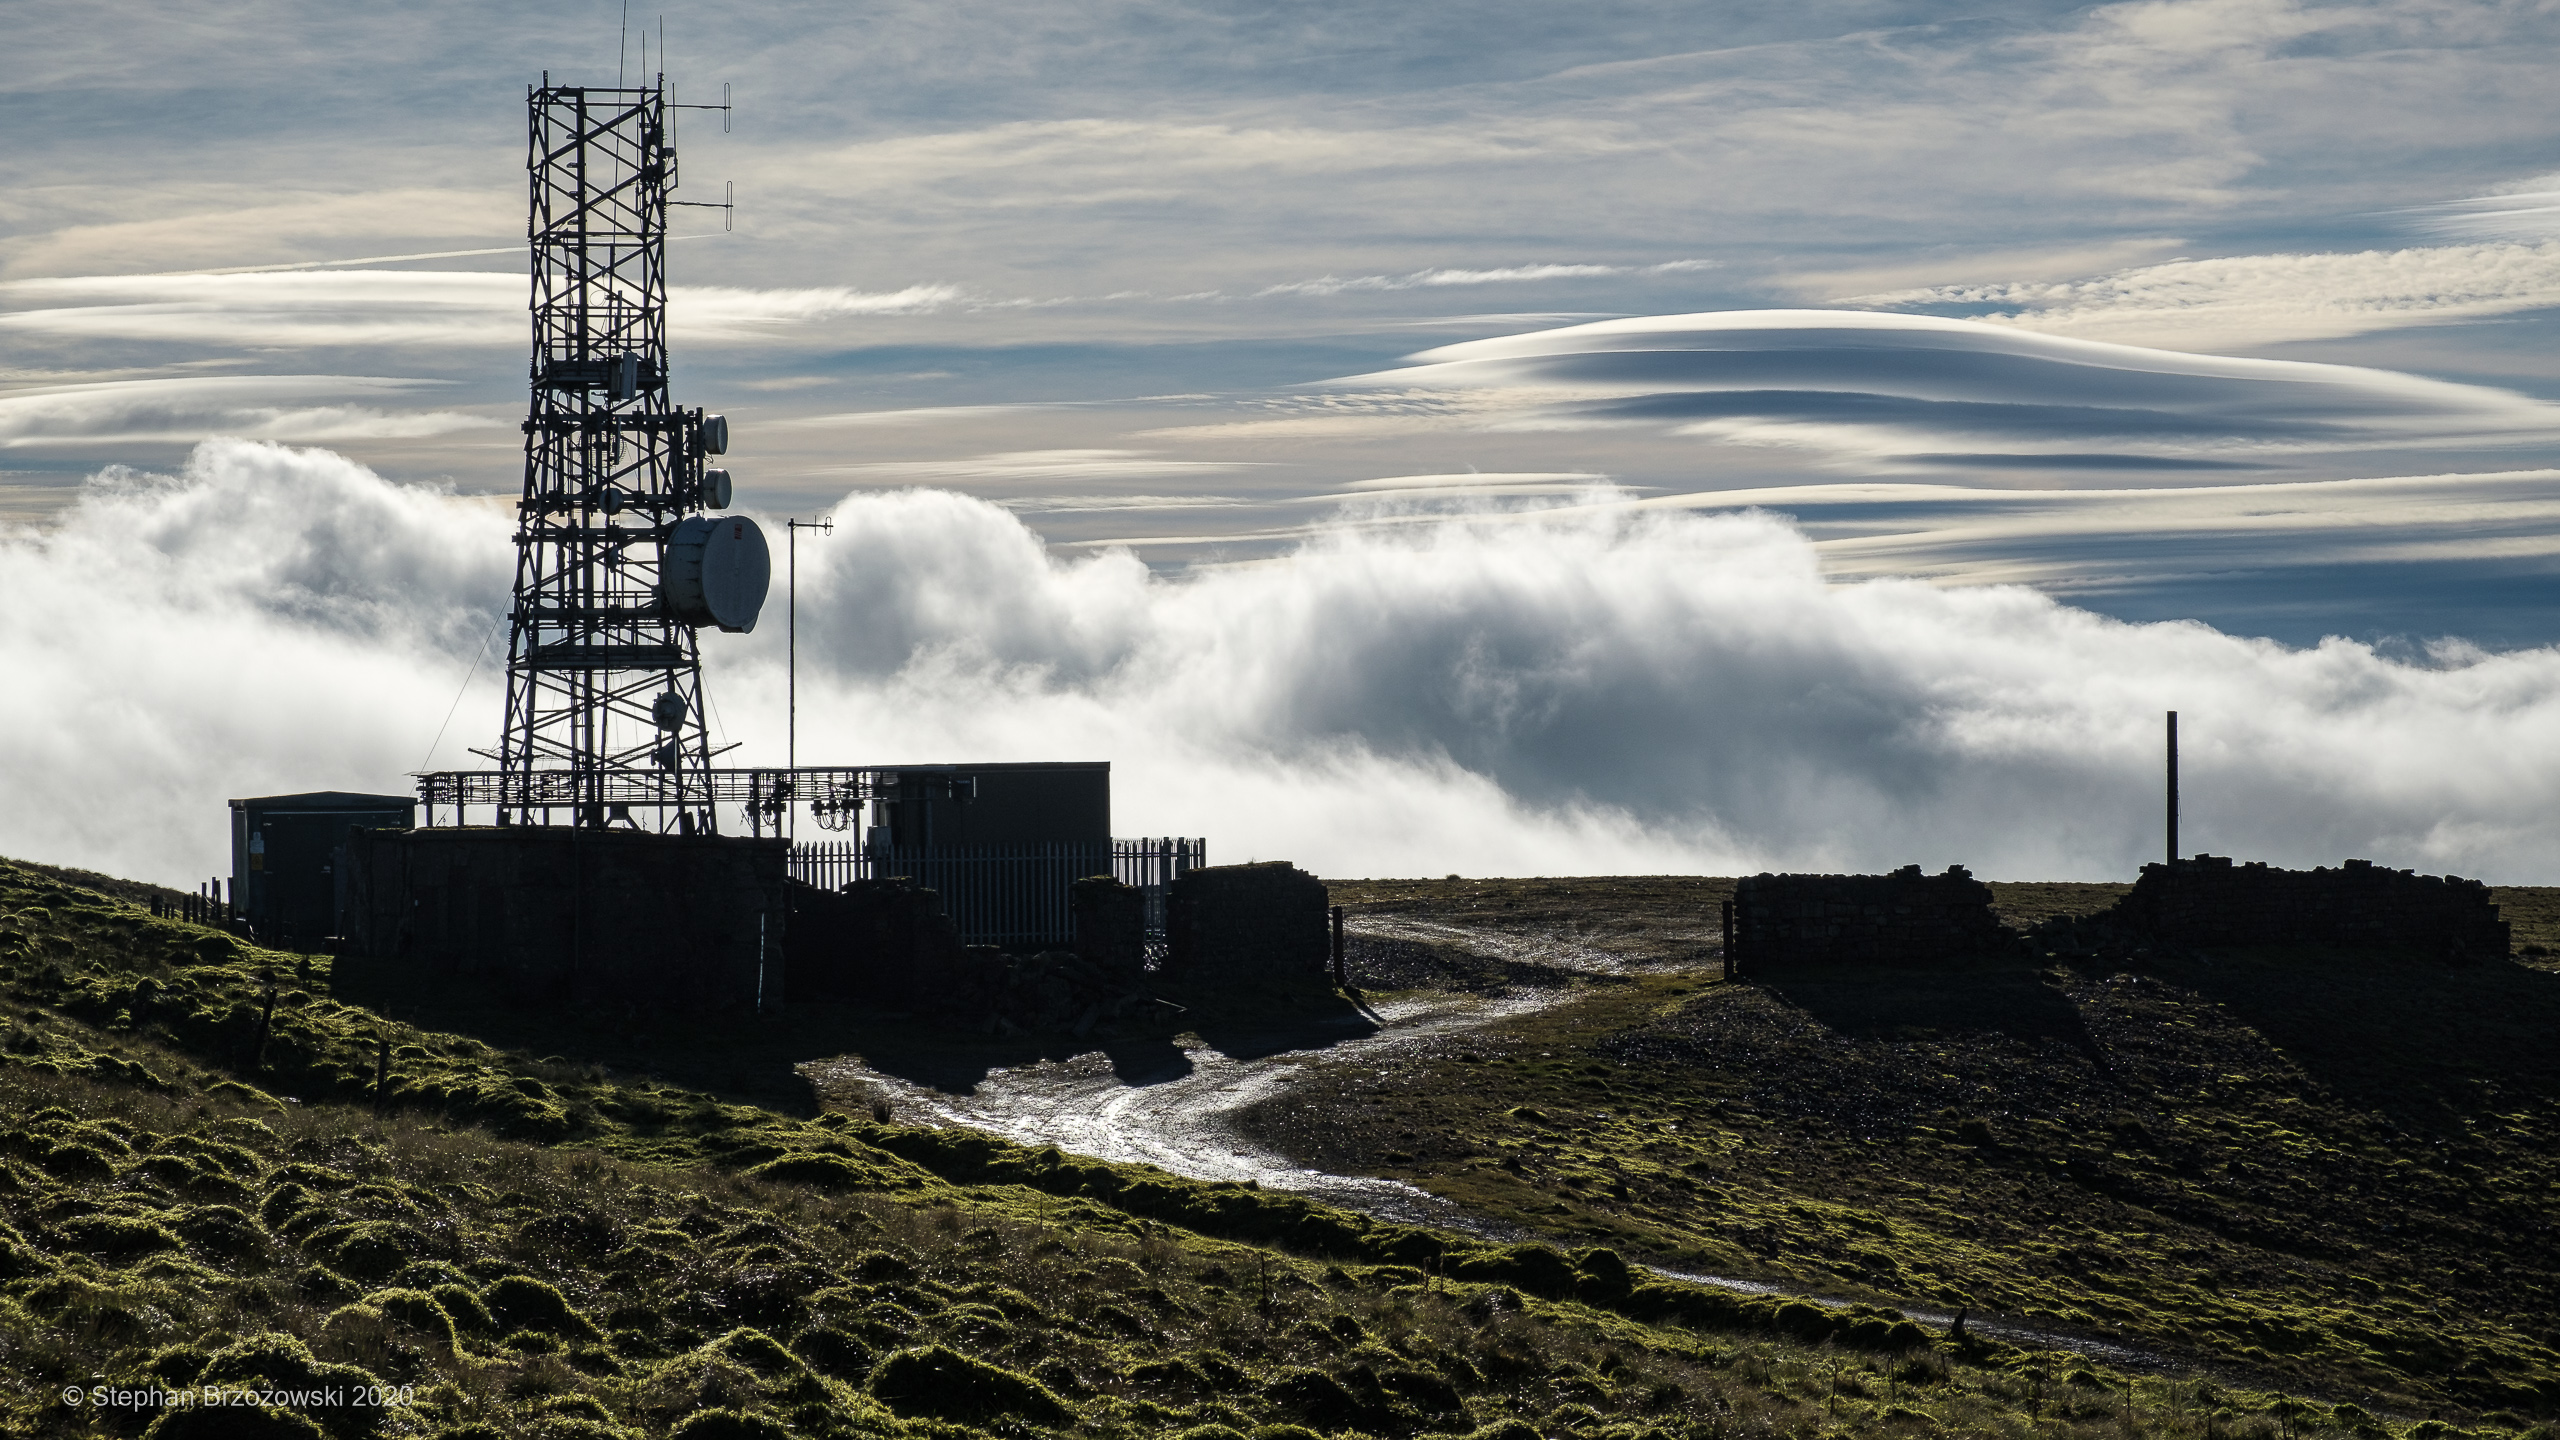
(791, 727)
(2173, 787)
(791, 685)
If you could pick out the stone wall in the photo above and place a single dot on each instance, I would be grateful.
(876, 942)
(1904, 918)
(603, 919)
(1254, 924)
(1111, 923)
(886, 944)
(2208, 901)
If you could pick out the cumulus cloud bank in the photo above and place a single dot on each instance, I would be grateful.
(1602, 690)
(269, 620)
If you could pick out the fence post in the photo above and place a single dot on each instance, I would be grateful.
(1728, 940)
(1339, 977)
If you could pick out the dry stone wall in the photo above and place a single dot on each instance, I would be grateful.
(1252, 924)
(608, 919)
(1111, 923)
(878, 942)
(2209, 901)
(1904, 918)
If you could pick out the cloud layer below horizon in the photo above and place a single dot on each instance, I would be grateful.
(1596, 690)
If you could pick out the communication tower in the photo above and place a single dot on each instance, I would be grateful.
(619, 565)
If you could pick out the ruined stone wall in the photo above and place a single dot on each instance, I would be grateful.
(1248, 923)
(2208, 901)
(876, 942)
(609, 919)
(1899, 919)
(1111, 923)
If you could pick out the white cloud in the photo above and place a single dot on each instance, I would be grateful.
(269, 620)
(1498, 275)
(263, 407)
(1603, 690)
(2067, 538)
(203, 225)
(425, 308)
(716, 312)
(1091, 161)
(1866, 389)
(2249, 300)
(1476, 479)
(467, 309)
(918, 415)
(2527, 210)
(1025, 465)
(1620, 689)
(1114, 504)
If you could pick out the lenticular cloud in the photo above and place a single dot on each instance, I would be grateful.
(1588, 690)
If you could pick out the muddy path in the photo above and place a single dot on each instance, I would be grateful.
(1177, 1113)
(1177, 1107)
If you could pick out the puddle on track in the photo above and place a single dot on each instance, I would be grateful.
(1180, 1117)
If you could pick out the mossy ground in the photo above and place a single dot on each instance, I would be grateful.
(2339, 1169)
(558, 1246)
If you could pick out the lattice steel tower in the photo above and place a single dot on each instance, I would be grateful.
(617, 568)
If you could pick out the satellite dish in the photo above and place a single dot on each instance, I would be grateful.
(715, 490)
(717, 570)
(715, 434)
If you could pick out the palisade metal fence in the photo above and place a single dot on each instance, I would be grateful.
(1010, 895)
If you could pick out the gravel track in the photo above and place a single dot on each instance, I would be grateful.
(1178, 1115)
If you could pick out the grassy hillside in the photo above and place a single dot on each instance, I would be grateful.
(509, 1245)
(2339, 1169)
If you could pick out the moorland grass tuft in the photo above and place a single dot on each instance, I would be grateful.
(539, 1246)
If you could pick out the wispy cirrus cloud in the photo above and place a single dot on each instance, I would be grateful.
(308, 408)
(723, 312)
(1034, 465)
(1497, 275)
(2248, 300)
(1114, 504)
(1474, 480)
(337, 308)
(2072, 539)
(218, 225)
(2525, 210)
(296, 309)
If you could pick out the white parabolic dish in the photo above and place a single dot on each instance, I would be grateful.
(717, 571)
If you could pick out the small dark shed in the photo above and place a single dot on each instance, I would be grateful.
(964, 807)
(285, 857)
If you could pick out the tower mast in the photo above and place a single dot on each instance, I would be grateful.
(613, 554)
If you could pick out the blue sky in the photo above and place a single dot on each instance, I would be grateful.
(2236, 312)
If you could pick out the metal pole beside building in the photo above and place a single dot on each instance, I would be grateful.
(2173, 787)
